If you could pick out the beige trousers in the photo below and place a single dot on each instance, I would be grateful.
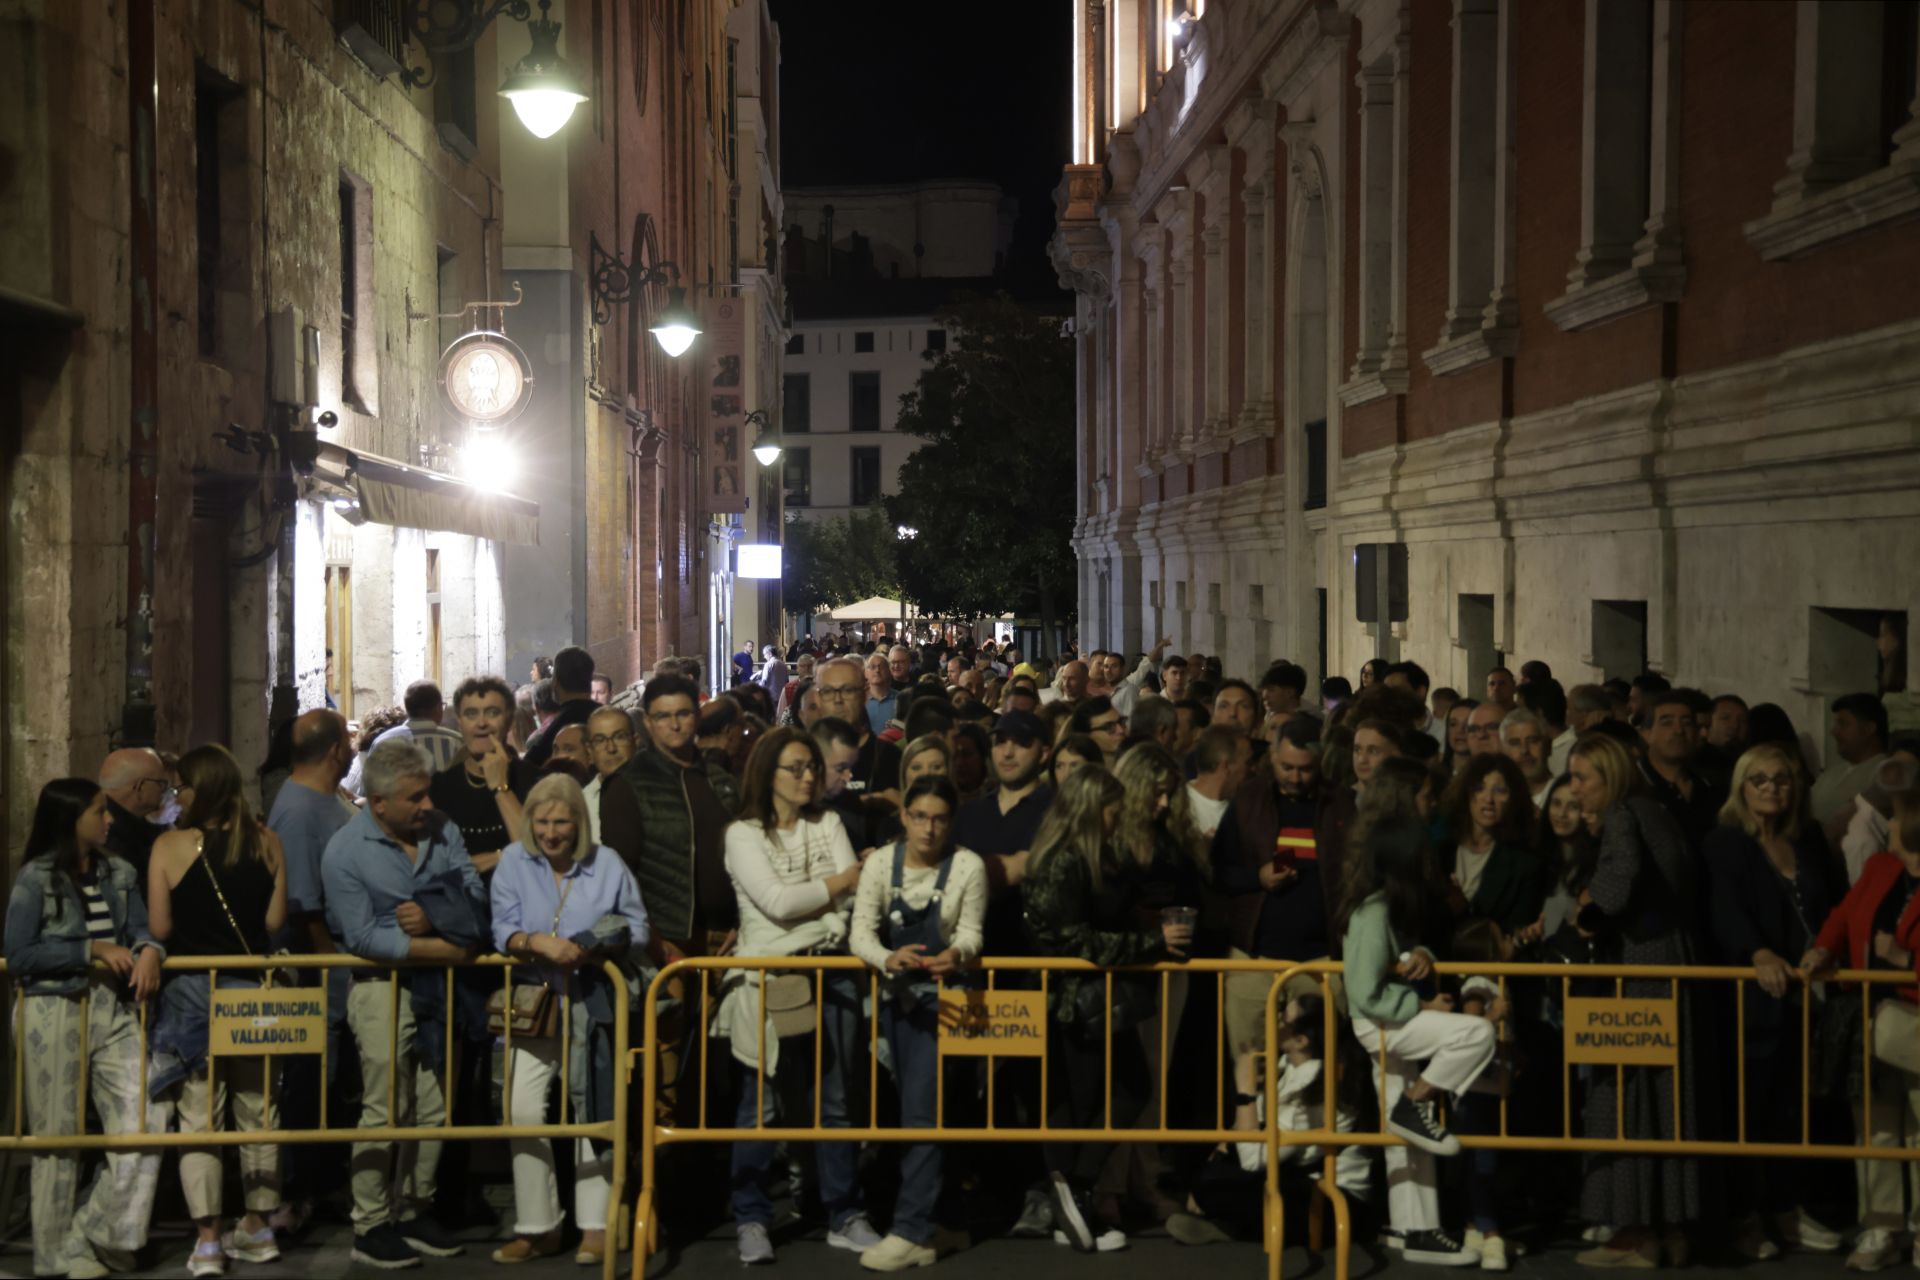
(383, 1192)
(243, 1082)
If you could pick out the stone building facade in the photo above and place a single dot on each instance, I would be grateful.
(267, 266)
(1601, 310)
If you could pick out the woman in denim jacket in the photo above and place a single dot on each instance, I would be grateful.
(77, 943)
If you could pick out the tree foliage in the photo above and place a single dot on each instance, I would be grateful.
(838, 560)
(990, 493)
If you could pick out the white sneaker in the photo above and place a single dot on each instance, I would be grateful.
(755, 1247)
(1597, 1235)
(244, 1246)
(897, 1253)
(1798, 1230)
(1112, 1240)
(1493, 1253)
(207, 1259)
(1474, 1238)
(1874, 1249)
(855, 1234)
(86, 1265)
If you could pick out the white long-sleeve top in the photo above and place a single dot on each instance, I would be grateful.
(778, 879)
(963, 908)
(1126, 695)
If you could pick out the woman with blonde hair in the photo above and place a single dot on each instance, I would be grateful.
(926, 756)
(564, 905)
(1643, 888)
(1772, 882)
(216, 886)
(1082, 901)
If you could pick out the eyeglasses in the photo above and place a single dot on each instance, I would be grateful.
(836, 690)
(608, 739)
(797, 770)
(1108, 726)
(1770, 781)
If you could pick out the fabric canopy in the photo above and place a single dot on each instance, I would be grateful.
(872, 609)
(410, 497)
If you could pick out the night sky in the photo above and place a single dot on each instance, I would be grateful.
(905, 90)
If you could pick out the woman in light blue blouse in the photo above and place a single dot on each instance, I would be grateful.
(565, 904)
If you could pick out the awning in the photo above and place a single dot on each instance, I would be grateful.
(394, 493)
(872, 609)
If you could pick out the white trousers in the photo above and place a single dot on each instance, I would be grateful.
(1894, 1119)
(535, 1069)
(1455, 1048)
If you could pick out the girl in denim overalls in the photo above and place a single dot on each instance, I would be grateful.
(73, 907)
(917, 919)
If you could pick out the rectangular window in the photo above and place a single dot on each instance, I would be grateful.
(797, 345)
(796, 403)
(221, 215)
(1620, 638)
(433, 614)
(455, 114)
(863, 402)
(796, 471)
(936, 341)
(863, 342)
(1316, 465)
(864, 469)
(359, 368)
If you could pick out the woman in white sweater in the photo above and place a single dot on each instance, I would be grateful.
(917, 919)
(794, 874)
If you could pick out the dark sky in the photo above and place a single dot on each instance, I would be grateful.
(904, 90)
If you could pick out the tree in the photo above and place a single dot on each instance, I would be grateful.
(991, 492)
(839, 560)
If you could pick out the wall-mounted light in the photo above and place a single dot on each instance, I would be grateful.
(612, 281)
(542, 88)
(766, 445)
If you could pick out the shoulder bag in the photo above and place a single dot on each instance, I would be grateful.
(530, 1009)
(270, 976)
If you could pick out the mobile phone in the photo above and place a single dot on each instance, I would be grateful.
(1285, 860)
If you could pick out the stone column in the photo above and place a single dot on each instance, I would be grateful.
(1153, 319)
(1180, 399)
(1131, 386)
(1215, 188)
(1251, 125)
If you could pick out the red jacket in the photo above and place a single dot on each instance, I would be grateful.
(1848, 932)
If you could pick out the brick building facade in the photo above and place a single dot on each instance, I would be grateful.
(270, 263)
(1600, 309)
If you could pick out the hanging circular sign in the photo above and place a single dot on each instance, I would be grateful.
(485, 378)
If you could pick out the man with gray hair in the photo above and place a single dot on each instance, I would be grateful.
(399, 886)
(1528, 743)
(135, 780)
(1588, 705)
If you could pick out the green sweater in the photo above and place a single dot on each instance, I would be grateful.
(1374, 990)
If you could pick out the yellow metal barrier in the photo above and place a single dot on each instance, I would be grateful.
(142, 1138)
(697, 974)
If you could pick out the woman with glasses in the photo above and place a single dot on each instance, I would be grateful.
(794, 875)
(1772, 882)
(917, 919)
(78, 947)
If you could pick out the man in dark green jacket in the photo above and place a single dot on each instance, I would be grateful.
(666, 813)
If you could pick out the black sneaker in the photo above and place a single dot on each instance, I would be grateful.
(1439, 1249)
(1072, 1216)
(382, 1247)
(429, 1237)
(1419, 1125)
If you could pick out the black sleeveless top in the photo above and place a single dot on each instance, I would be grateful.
(200, 926)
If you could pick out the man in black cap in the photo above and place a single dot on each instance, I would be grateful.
(1000, 826)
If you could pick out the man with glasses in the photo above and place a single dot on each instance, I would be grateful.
(842, 692)
(610, 741)
(665, 812)
(1672, 738)
(135, 780)
(1097, 718)
(1483, 729)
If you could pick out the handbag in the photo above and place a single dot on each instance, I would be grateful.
(283, 977)
(789, 999)
(1133, 1003)
(529, 1009)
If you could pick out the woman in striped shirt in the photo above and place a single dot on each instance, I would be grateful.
(77, 942)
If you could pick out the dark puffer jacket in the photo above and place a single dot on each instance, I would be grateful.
(646, 817)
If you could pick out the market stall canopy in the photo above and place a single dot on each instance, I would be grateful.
(872, 609)
(394, 493)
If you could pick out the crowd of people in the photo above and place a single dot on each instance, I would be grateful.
(919, 806)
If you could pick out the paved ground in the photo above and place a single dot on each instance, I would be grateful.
(324, 1256)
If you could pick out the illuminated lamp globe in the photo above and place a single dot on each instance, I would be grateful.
(676, 328)
(540, 86)
(767, 450)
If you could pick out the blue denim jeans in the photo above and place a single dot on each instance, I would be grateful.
(913, 1034)
(789, 1097)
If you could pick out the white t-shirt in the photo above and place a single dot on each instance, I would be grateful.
(1468, 867)
(1207, 811)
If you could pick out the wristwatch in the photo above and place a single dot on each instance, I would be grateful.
(505, 786)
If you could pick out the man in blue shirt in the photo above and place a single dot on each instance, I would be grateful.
(425, 711)
(883, 700)
(382, 872)
(306, 814)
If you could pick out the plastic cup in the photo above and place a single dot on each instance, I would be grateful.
(1183, 916)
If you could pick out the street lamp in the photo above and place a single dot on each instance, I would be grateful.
(677, 326)
(540, 86)
(612, 281)
(766, 445)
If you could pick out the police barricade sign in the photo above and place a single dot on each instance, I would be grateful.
(1623, 1031)
(1002, 1023)
(257, 1020)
